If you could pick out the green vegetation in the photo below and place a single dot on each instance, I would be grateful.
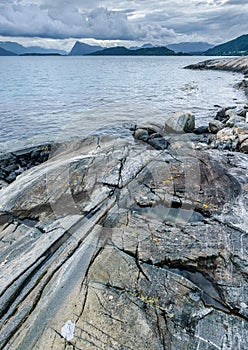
(123, 51)
(236, 47)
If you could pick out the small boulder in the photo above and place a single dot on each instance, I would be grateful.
(242, 137)
(244, 146)
(234, 121)
(141, 134)
(241, 129)
(201, 130)
(231, 113)
(226, 134)
(221, 114)
(158, 143)
(180, 122)
(152, 128)
(215, 126)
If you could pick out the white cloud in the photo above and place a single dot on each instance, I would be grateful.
(68, 22)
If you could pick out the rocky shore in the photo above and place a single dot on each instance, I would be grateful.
(15, 163)
(239, 64)
(129, 243)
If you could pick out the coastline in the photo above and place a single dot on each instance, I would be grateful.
(133, 243)
(16, 162)
(239, 65)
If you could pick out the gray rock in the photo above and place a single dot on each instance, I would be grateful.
(215, 126)
(153, 128)
(244, 145)
(201, 130)
(14, 163)
(159, 143)
(141, 134)
(180, 122)
(111, 244)
(234, 121)
(226, 134)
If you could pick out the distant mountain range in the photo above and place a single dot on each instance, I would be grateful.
(6, 52)
(236, 47)
(188, 47)
(22, 50)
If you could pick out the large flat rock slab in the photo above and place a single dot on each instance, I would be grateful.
(115, 243)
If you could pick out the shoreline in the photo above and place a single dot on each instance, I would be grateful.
(238, 65)
(132, 243)
(14, 163)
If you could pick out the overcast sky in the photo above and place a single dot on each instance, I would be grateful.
(58, 23)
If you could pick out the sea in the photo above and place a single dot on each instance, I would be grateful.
(52, 98)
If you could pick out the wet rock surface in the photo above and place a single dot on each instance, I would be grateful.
(121, 244)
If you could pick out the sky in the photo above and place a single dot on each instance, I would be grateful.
(59, 23)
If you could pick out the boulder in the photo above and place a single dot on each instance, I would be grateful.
(221, 114)
(234, 121)
(201, 130)
(152, 128)
(159, 143)
(141, 134)
(215, 126)
(180, 122)
(226, 134)
(244, 145)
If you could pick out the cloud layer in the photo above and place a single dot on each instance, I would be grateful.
(134, 20)
(69, 22)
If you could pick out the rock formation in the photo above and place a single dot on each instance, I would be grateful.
(127, 243)
(239, 64)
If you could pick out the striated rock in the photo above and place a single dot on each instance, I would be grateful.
(113, 244)
(239, 64)
(180, 122)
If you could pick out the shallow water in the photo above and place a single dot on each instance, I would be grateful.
(46, 98)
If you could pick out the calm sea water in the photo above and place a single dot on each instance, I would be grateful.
(46, 98)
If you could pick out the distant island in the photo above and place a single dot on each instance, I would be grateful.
(123, 51)
(41, 54)
(235, 47)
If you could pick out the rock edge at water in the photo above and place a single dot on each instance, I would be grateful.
(119, 243)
